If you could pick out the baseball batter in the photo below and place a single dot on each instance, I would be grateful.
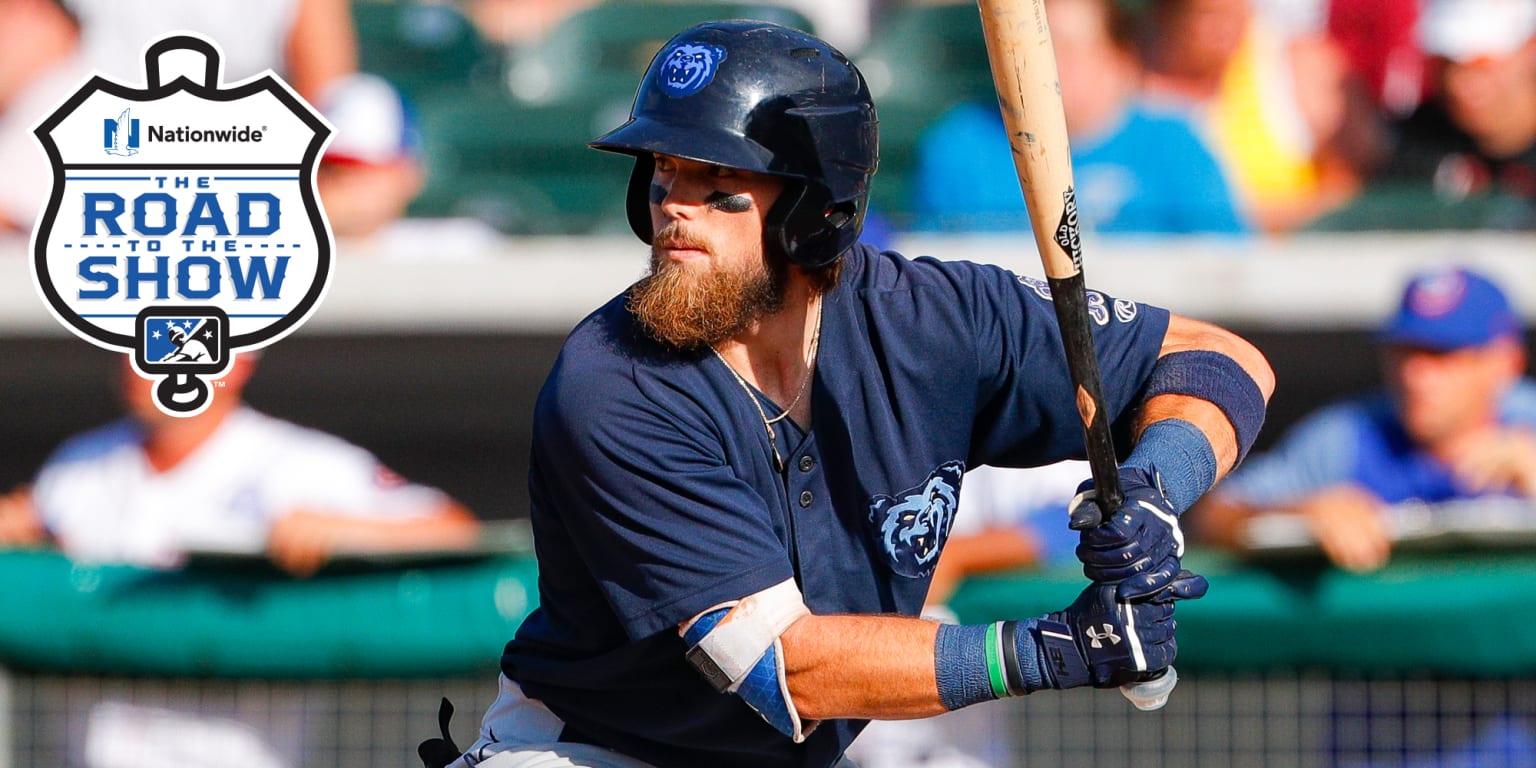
(744, 468)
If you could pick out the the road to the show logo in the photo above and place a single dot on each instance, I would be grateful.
(183, 224)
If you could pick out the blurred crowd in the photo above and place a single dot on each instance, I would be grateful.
(1209, 117)
(1213, 117)
(1185, 116)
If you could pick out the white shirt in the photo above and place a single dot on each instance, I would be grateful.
(253, 35)
(104, 502)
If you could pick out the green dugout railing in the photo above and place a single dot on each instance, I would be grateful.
(1445, 613)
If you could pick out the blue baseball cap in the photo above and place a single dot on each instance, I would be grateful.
(1450, 308)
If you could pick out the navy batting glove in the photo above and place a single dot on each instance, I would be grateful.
(1139, 546)
(1105, 642)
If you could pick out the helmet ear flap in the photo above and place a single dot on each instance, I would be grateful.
(637, 200)
(808, 228)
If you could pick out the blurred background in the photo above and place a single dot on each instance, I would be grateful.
(1280, 167)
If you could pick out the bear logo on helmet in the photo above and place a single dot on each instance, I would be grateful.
(688, 67)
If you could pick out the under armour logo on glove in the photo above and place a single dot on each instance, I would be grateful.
(1140, 635)
(1107, 634)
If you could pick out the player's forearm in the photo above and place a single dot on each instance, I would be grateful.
(877, 667)
(1206, 399)
(1205, 416)
(1192, 335)
(1221, 520)
(450, 526)
(1187, 335)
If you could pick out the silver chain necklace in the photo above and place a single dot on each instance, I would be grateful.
(805, 383)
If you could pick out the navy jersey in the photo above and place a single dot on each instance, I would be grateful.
(655, 494)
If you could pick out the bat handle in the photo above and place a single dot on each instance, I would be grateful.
(1151, 695)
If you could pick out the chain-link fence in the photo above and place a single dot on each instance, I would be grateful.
(1274, 720)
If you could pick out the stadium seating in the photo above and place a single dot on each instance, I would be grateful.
(422, 47)
(504, 135)
(1398, 206)
(597, 55)
(524, 169)
(516, 157)
(921, 59)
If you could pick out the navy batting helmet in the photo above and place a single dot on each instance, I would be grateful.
(759, 97)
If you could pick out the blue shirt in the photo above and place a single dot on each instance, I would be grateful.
(655, 495)
(1360, 441)
(1148, 173)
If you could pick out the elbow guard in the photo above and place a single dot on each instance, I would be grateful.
(736, 646)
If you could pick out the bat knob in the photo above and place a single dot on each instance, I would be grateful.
(1085, 516)
(1151, 695)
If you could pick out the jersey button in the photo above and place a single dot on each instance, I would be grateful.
(806, 498)
(807, 463)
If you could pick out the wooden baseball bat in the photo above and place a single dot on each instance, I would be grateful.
(1029, 94)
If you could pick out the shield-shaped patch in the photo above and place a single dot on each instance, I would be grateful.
(183, 224)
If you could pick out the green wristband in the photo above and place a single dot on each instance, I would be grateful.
(994, 651)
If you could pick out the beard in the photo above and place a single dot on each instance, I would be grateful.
(694, 306)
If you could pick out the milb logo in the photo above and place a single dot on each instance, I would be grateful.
(204, 240)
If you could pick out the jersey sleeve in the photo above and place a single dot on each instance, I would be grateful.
(635, 473)
(1027, 413)
(74, 485)
(1319, 451)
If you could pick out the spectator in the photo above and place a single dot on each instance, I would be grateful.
(1456, 421)
(372, 169)
(1272, 94)
(39, 63)
(1379, 41)
(1009, 519)
(518, 23)
(310, 43)
(1478, 133)
(48, 46)
(149, 488)
(1137, 168)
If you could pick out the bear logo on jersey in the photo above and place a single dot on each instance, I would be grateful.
(914, 523)
(689, 67)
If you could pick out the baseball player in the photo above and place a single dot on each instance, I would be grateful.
(188, 349)
(744, 468)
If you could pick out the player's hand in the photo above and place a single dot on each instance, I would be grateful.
(1498, 461)
(301, 541)
(1350, 525)
(19, 523)
(1106, 642)
(1139, 546)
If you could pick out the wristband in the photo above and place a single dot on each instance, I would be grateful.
(1217, 379)
(1180, 458)
(982, 662)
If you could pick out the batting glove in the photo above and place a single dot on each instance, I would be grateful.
(1105, 642)
(1139, 546)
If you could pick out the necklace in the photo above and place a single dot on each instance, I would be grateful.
(805, 383)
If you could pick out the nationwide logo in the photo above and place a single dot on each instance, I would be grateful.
(198, 235)
(183, 133)
(120, 136)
